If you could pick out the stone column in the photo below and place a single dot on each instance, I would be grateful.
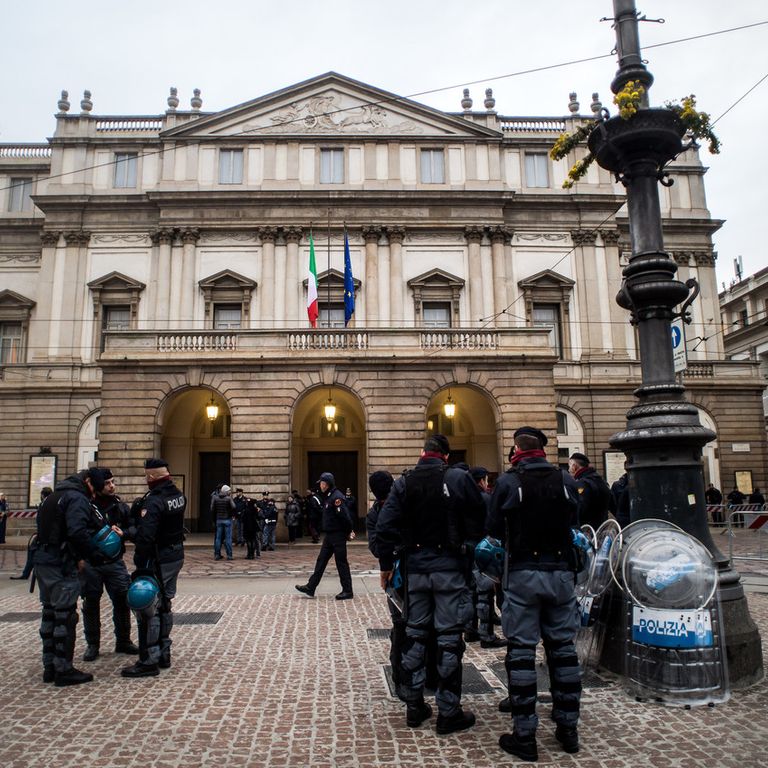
(51, 284)
(499, 237)
(292, 282)
(385, 258)
(371, 237)
(396, 283)
(176, 285)
(593, 301)
(163, 239)
(486, 279)
(268, 237)
(705, 268)
(72, 306)
(474, 237)
(278, 288)
(617, 317)
(188, 286)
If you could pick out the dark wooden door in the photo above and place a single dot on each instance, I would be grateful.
(214, 471)
(341, 464)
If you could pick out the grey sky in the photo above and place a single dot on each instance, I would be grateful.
(129, 54)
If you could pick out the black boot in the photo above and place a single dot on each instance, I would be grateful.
(305, 589)
(416, 713)
(121, 617)
(139, 669)
(523, 747)
(462, 720)
(568, 738)
(91, 627)
(71, 677)
(49, 646)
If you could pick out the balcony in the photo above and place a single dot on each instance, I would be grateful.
(295, 345)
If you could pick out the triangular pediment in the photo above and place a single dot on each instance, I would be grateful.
(546, 279)
(10, 300)
(436, 277)
(116, 281)
(330, 105)
(227, 279)
(334, 278)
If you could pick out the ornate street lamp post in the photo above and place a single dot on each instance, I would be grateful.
(663, 440)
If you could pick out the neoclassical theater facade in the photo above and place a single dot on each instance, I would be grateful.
(151, 266)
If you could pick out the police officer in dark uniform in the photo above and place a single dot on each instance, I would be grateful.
(107, 572)
(425, 518)
(533, 509)
(64, 544)
(594, 492)
(337, 525)
(159, 540)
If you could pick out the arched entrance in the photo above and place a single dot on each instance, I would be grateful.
(88, 441)
(471, 430)
(570, 435)
(329, 436)
(709, 452)
(197, 448)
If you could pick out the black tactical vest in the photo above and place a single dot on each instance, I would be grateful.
(541, 526)
(431, 518)
(171, 529)
(51, 530)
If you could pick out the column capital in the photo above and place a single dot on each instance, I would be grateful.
(705, 258)
(396, 235)
(50, 238)
(682, 258)
(582, 237)
(190, 236)
(268, 234)
(500, 235)
(371, 234)
(163, 236)
(77, 238)
(474, 234)
(293, 234)
(610, 236)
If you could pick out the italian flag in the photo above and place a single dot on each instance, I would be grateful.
(312, 285)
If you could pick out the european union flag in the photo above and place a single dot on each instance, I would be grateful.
(349, 284)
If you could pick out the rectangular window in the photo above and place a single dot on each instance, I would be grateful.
(10, 343)
(536, 169)
(436, 314)
(19, 195)
(432, 166)
(227, 317)
(548, 316)
(562, 423)
(744, 318)
(330, 316)
(125, 169)
(331, 166)
(231, 166)
(117, 318)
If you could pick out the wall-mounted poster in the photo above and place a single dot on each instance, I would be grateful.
(744, 480)
(42, 473)
(614, 465)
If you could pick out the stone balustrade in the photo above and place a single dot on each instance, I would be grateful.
(531, 125)
(25, 151)
(129, 125)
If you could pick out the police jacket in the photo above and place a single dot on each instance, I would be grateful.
(536, 534)
(82, 518)
(595, 497)
(160, 525)
(425, 516)
(268, 511)
(222, 505)
(370, 526)
(336, 519)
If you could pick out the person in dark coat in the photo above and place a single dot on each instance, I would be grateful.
(337, 526)
(314, 514)
(756, 497)
(251, 529)
(595, 495)
(619, 504)
(427, 518)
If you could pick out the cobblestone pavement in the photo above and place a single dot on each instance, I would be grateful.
(281, 680)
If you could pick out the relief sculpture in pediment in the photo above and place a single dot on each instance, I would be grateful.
(325, 113)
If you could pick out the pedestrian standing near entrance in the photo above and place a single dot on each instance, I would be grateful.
(424, 517)
(269, 514)
(159, 554)
(223, 508)
(533, 509)
(314, 514)
(251, 529)
(292, 519)
(3, 517)
(337, 525)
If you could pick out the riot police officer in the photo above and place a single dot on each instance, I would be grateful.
(425, 516)
(533, 509)
(64, 544)
(106, 572)
(337, 525)
(159, 540)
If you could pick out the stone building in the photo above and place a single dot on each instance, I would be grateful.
(151, 266)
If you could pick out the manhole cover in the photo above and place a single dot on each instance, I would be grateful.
(472, 682)
(197, 618)
(378, 633)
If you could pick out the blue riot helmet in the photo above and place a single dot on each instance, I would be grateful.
(107, 542)
(489, 557)
(143, 593)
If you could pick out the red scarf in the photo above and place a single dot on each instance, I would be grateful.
(580, 471)
(432, 455)
(151, 484)
(536, 453)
